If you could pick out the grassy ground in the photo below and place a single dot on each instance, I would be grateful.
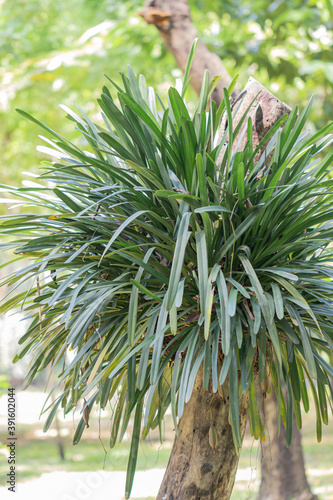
(38, 453)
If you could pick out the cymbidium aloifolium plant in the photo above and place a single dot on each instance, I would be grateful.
(150, 257)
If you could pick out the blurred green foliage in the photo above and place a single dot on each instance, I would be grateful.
(57, 52)
(285, 44)
(4, 384)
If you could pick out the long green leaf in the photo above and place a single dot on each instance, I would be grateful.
(178, 259)
(133, 454)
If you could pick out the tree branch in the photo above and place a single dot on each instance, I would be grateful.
(173, 20)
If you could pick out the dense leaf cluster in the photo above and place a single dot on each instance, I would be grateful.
(157, 250)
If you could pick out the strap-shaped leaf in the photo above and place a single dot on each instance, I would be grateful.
(208, 309)
(133, 454)
(173, 319)
(306, 341)
(212, 208)
(289, 416)
(232, 304)
(188, 362)
(257, 315)
(201, 178)
(178, 259)
(160, 328)
(203, 97)
(81, 425)
(193, 374)
(213, 357)
(234, 399)
(120, 229)
(141, 375)
(222, 314)
(186, 78)
(175, 378)
(239, 287)
(202, 260)
(254, 280)
(52, 413)
(303, 386)
(316, 401)
(278, 300)
(133, 303)
(254, 418)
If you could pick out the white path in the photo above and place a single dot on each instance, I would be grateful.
(103, 485)
(99, 485)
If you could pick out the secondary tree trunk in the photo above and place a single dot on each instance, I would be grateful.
(196, 470)
(282, 468)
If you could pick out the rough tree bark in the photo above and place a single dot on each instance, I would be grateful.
(196, 470)
(173, 20)
(265, 111)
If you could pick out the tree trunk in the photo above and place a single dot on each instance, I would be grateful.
(282, 469)
(173, 20)
(196, 470)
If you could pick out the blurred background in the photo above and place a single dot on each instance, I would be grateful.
(57, 52)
